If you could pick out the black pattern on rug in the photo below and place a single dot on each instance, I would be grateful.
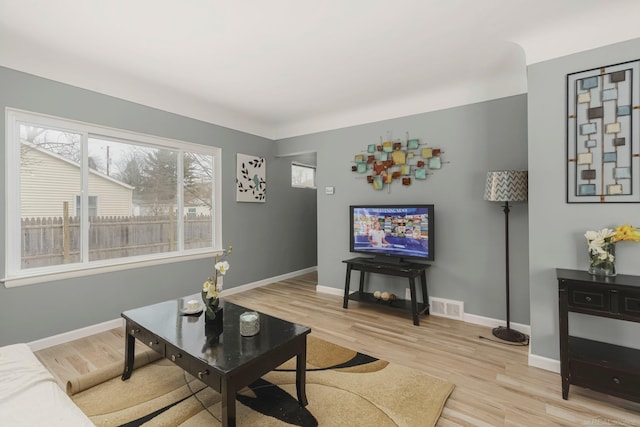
(140, 421)
(343, 385)
(270, 400)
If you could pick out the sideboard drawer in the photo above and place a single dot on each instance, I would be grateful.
(630, 304)
(606, 379)
(586, 297)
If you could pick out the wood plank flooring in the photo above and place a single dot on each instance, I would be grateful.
(494, 384)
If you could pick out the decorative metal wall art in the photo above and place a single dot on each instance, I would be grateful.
(603, 118)
(396, 160)
(251, 184)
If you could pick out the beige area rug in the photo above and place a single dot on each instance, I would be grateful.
(344, 388)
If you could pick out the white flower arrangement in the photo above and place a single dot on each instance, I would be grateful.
(212, 287)
(600, 245)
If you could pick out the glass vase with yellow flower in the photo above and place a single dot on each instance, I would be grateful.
(602, 248)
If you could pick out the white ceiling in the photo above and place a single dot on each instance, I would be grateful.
(281, 68)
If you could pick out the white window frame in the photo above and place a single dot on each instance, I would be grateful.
(14, 275)
(303, 165)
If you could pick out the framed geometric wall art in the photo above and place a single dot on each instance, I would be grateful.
(603, 121)
(251, 184)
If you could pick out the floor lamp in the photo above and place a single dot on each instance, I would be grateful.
(507, 186)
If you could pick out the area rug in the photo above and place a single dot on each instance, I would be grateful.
(344, 388)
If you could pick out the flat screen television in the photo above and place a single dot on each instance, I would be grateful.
(392, 233)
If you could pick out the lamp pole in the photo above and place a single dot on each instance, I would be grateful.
(506, 255)
(508, 334)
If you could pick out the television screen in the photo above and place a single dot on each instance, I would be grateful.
(393, 231)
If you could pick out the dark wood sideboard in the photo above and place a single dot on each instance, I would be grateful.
(597, 365)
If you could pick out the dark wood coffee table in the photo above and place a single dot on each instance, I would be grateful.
(217, 354)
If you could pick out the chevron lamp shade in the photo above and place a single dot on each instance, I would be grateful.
(506, 186)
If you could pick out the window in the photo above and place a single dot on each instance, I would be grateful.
(93, 206)
(59, 169)
(303, 175)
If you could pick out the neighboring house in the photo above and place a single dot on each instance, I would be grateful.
(43, 197)
(198, 210)
(189, 210)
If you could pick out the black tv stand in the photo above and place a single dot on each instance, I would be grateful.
(383, 260)
(404, 269)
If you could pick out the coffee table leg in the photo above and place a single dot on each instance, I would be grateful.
(301, 374)
(129, 356)
(228, 405)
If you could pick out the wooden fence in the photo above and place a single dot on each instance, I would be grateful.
(54, 241)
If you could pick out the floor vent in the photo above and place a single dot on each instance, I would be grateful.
(446, 308)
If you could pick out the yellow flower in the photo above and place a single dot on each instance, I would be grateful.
(627, 232)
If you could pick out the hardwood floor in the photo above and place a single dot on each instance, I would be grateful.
(494, 384)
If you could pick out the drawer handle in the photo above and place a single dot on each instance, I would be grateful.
(152, 343)
(587, 299)
(175, 356)
(134, 331)
(202, 374)
(616, 380)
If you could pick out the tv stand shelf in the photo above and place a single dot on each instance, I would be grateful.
(368, 297)
(409, 270)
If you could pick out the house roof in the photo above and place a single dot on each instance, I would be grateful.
(282, 68)
(76, 165)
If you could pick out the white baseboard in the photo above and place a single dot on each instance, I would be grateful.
(544, 363)
(330, 290)
(116, 323)
(535, 361)
(264, 282)
(76, 334)
(494, 323)
(469, 318)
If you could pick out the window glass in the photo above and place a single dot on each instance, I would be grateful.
(198, 200)
(303, 175)
(49, 180)
(138, 188)
(84, 193)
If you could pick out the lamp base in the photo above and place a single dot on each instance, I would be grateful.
(508, 334)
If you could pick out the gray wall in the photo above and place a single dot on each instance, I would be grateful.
(545, 233)
(288, 217)
(556, 229)
(469, 232)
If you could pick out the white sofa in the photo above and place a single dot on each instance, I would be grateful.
(30, 396)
